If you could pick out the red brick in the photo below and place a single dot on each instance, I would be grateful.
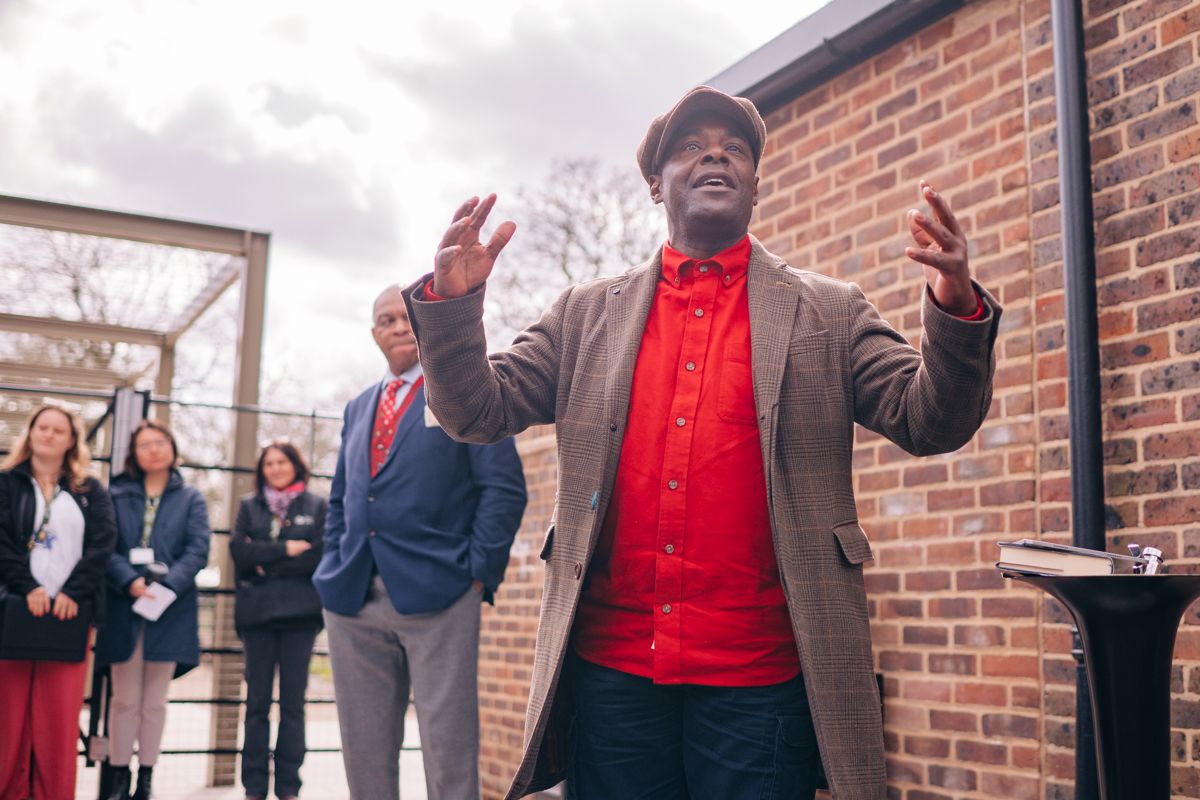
(1180, 25)
(952, 607)
(978, 635)
(979, 694)
(1009, 666)
(933, 691)
(1007, 493)
(927, 746)
(953, 721)
(912, 72)
(965, 44)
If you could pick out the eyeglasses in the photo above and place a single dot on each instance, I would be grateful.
(153, 444)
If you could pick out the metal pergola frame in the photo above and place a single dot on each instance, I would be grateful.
(252, 247)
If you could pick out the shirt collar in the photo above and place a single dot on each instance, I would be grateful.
(409, 375)
(733, 262)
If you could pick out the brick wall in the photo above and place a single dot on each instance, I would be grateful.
(509, 628)
(979, 681)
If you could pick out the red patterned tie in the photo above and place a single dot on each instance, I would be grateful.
(386, 417)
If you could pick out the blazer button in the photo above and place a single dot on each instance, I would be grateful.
(578, 571)
(287, 522)
(370, 498)
(612, 426)
(371, 532)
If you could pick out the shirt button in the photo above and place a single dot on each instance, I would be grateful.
(680, 422)
(691, 365)
(726, 277)
(667, 609)
(699, 312)
(670, 549)
(673, 484)
(704, 267)
(371, 532)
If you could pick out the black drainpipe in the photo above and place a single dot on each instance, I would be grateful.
(1083, 351)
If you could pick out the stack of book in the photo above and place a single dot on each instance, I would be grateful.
(1031, 557)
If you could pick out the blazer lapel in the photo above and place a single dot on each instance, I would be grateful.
(414, 412)
(774, 296)
(367, 420)
(627, 307)
(774, 293)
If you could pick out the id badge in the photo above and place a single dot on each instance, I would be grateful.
(139, 556)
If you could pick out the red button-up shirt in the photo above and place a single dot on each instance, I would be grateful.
(684, 586)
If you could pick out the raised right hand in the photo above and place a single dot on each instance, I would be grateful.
(38, 601)
(138, 587)
(297, 546)
(462, 261)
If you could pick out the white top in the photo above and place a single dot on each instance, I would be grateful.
(409, 376)
(51, 566)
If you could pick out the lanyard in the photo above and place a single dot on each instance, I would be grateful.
(43, 537)
(148, 519)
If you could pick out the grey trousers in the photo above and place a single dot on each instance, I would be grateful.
(138, 710)
(376, 654)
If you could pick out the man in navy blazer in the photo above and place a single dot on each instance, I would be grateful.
(417, 534)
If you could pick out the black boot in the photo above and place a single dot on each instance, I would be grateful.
(120, 783)
(143, 791)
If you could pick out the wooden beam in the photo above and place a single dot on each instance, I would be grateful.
(122, 225)
(221, 281)
(56, 328)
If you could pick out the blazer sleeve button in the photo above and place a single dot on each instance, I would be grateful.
(578, 571)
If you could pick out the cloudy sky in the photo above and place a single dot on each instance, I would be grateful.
(349, 130)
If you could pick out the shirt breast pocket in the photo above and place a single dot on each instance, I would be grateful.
(735, 396)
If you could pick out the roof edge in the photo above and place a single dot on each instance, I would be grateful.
(827, 42)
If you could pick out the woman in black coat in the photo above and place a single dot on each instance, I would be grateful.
(276, 546)
(57, 531)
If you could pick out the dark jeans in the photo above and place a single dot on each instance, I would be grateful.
(634, 739)
(291, 649)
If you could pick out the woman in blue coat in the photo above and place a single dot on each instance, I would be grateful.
(159, 518)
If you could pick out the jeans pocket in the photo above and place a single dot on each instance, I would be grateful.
(796, 754)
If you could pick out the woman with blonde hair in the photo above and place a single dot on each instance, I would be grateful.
(57, 532)
(160, 518)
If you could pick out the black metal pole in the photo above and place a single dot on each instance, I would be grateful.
(1083, 353)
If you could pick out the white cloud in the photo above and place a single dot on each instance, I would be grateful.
(348, 130)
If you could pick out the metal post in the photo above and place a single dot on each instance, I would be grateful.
(1082, 334)
(129, 408)
(227, 668)
(163, 381)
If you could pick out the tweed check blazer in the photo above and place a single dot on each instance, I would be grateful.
(822, 359)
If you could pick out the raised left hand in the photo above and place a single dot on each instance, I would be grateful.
(64, 607)
(943, 252)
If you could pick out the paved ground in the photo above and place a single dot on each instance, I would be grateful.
(184, 777)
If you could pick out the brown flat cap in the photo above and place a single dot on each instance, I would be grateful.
(702, 98)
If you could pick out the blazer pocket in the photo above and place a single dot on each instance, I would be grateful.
(855, 547)
(548, 544)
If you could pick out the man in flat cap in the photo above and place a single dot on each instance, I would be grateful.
(704, 621)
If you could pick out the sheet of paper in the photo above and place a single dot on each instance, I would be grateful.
(154, 602)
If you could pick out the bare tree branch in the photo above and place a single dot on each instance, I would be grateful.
(586, 222)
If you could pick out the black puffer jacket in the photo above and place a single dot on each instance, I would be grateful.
(18, 506)
(251, 547)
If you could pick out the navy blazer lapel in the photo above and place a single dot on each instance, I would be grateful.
(368, 422)
(414, 413)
